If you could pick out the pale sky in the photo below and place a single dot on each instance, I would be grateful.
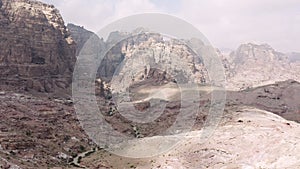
(225, 23)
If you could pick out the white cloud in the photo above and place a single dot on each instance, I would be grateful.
(229, 23)
(94, 14)
(226, 23)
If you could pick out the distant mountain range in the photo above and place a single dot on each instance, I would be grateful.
(294, 57)
(255, 65)
(249, 66)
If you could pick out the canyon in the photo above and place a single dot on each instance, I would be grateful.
(39, 126)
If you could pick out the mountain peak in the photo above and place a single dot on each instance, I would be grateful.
(264, 46)
(263, 52)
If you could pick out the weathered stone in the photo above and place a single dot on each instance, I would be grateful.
(81, 36)
(35, 47)
(254, 65)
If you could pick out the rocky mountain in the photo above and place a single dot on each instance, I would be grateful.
(249, 66)
(256, 65)
(139, 50)
(248, 125)
(293, 56)
(81, 36)
(36, 51)
(146, 53)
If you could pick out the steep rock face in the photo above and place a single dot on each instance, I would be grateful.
(139, 53)
(113, 57)
(255, 65)
(36, 50)
(153, 52)
(134, 58)
(249, 66)
(80, 35)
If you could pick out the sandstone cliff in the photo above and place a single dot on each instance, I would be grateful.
(36, 51)
(80, 35)
(140, 52)
(152, 55)
(249, 66)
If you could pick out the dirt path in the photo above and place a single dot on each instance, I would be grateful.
(77, 159)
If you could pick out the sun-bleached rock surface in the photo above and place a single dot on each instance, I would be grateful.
(246, 138)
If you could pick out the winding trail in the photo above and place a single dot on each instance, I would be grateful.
(77, 159)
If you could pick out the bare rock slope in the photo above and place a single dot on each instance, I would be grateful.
(139, 53)
(247, 138)
(80, 35)
(37, 132)
(36, 51)
(281, 98)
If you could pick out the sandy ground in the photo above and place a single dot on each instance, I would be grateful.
(247, 138)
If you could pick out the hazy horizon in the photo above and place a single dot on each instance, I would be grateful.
(226, 24)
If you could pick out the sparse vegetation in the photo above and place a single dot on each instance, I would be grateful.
(136, 132)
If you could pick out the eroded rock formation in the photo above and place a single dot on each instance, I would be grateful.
(254, 65)
(80, 35)
(36, 51)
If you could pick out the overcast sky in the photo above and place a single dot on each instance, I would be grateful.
(226, 23)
